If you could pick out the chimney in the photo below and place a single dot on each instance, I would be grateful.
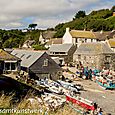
(52, 42)
(67, 29)
(101, 31)
(112, 31)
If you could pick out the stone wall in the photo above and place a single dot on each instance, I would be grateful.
(98, 61)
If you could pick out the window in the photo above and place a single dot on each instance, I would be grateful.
(107, 58)
(79, 56)
(45, 62)
(28, 56)
(7, 66)
(13, 66)
(76, 40)
(22, 55)
(85, 58)
(16, 54)
(51, 52)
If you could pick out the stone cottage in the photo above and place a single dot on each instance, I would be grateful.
(111, 43)
(95, 55)
(63, 51)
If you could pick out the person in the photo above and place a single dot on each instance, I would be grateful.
(77, 66)
(90, 74)
(77, 73)
(100, 111)
(63, 78)
(72, 76)
(86, 72)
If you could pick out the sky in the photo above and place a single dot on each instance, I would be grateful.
(45, 13)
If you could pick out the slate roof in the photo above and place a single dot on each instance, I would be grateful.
(82, 34)
(112, 34)
(7, 56)
(102, 36)
(60, 47)
(28, 57)
(93, 48)
(54, 41)
(48, 34)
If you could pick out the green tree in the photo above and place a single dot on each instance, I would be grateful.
(32, 26)
(59, 26)
(113, 9)
(80, 14)
(39, 47)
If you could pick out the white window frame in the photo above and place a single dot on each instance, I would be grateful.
(45, 62)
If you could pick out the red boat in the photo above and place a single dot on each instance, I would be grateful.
(89, 105)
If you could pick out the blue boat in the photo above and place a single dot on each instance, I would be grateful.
(109, 85)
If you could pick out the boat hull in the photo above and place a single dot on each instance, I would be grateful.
(106, 86)
(78, 102)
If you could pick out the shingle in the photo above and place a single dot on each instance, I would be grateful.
(60, 47)
(28, 57)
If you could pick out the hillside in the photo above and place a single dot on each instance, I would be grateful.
(97, 20)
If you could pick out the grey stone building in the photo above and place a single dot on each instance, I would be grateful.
(38, 64)
(63, 51)
(95, 55)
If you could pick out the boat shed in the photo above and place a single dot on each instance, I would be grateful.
(38, 64)
(8, 62)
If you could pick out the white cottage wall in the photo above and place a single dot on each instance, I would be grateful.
(67, 38)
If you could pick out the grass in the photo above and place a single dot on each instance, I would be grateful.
(6, 103)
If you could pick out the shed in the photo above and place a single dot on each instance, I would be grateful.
(37, 63)
(9, 62)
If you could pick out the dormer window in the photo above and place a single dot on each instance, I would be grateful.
(22, 55)
(28, 56)
(45, 62)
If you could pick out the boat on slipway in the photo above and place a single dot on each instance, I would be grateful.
(107, 85)
(84, 103)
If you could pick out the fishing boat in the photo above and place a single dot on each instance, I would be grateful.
(107, 85)
(73, 86)
(84, 103)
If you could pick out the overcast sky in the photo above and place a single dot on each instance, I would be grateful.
(45, 13)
